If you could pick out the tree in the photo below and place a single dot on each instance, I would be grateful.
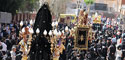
(13, 6)
(88, 3)
(58, 6)
(9, 5)
(29, 5)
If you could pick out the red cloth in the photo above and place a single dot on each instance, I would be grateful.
(120, 40)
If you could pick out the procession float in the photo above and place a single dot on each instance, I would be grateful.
(47, 39)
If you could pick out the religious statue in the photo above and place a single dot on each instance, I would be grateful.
(81, 41)
(41, 46)
(81, 31)
(83, 18)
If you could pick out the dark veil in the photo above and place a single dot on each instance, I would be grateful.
(40, 48)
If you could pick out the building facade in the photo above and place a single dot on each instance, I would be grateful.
(122, 7)
(114, 5)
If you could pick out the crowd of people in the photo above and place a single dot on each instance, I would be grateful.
(106, 44)
(9, 40)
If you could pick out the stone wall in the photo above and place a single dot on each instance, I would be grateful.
(5, 17)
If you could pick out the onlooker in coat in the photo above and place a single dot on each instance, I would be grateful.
(13, 53)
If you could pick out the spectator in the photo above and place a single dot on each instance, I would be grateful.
(13, 53)
(4, 49)
(113, 40)
(1, 53)
(111, 52)
(119, 42)
(4, 46)
(5, 33)
(108, 42)
(8, 30)
(118, 53)
(8, 43)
